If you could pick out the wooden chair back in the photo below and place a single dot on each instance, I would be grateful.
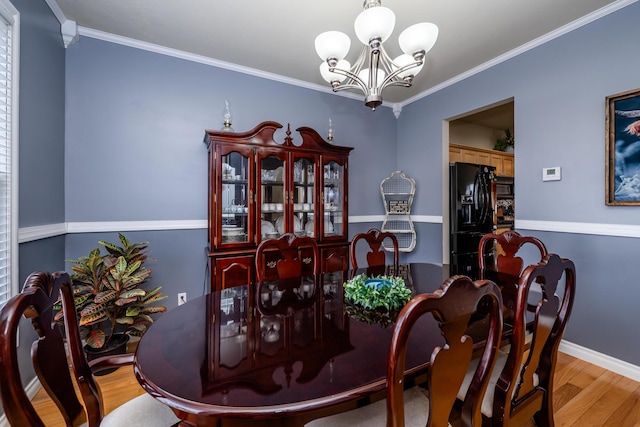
(524, 388)
(290, 260)
(510, 242)
(83, 372)
(376, 257)
(36, 302)
(452, 306)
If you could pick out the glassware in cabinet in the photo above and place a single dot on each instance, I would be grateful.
(333, 199)
(303, 196)
(273, 196)
(235, 193)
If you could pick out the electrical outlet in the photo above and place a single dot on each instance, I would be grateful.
(182, 298)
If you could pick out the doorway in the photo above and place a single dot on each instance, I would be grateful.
(471, 138)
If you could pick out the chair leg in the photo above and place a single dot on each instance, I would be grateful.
(544, 418)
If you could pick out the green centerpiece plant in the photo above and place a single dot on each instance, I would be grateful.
(109, 293)
(376, 300)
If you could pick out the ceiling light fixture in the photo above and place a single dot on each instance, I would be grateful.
(374, 70)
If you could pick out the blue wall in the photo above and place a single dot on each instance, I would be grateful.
(42, 111)
(559, 91)
(135, 123)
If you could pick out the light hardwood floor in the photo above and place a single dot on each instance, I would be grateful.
(585, 396)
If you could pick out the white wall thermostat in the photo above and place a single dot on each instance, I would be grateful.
(551, 174)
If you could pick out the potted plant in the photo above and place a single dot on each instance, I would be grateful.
(109, 296)
(506, 143)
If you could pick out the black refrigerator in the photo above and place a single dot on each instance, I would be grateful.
(470, 214)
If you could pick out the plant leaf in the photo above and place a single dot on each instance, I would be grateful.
(95, 338)
(132, 312)
(153, 309)
(124, 301)
(105, 296)
(133, 293)
(125, 320)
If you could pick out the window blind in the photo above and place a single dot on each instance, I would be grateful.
(7, 234)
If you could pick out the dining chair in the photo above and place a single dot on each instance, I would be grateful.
(506, 260)
(521, 387)
(292, 258)
(509, 263)
(451, 308)
(36, 302)
(376, 256)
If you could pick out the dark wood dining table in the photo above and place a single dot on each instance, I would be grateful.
(278, 353)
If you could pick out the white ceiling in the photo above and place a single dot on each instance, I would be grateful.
(278, 36)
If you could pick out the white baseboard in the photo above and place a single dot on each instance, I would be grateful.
(618, 366)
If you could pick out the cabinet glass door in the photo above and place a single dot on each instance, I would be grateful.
(272, 197)
(333, 200)
(235, 198)
(303, 193)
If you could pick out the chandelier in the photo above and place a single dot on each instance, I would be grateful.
(374, 70)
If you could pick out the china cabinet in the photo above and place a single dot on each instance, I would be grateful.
(261, 189)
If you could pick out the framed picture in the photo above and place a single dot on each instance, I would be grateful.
(623, 149)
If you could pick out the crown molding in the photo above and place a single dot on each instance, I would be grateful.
(70, 33)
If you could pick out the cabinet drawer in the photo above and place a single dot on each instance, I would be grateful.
(234, 271)
(335, 259)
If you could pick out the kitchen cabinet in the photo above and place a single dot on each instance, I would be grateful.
(503, 162)
(261, 189)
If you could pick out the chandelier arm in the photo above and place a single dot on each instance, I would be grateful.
(393, 77)
(401, 83)
(362, 58)
(360, 84)
(346, 86)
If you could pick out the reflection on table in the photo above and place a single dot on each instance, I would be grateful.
(288, 327)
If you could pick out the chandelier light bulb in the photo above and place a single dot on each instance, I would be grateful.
(330, 76)
(418, 37)
(364, 76)
(375, 22)
(332, 44)
(403, 60)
